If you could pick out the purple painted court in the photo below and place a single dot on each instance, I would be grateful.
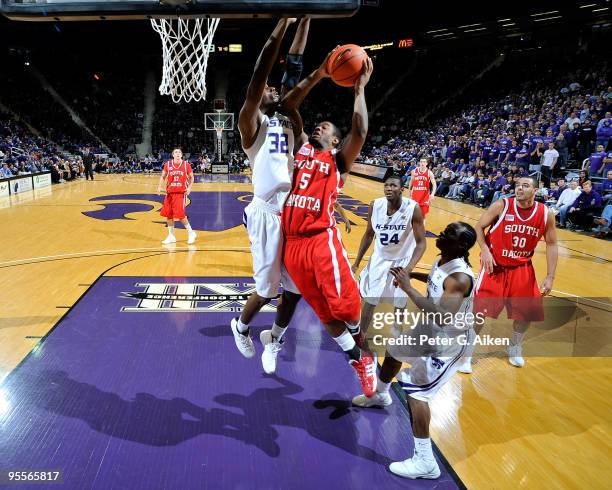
(140, 386)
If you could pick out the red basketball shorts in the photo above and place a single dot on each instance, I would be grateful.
(174, 205)
(424, 208)
(321, 271)
(515, 288)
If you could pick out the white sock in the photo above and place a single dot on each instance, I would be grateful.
(345, 340)
(188, 227)
(278, 332)
(383, 387)
(242, 327)
(517, 338)
(171, 231)
(422, 448)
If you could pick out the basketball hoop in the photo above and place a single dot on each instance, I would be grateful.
(186, 47)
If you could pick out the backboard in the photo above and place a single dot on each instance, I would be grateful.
(55, 10)
(219, 120)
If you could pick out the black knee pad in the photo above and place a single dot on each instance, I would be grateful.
(291, 297)
(293, 70)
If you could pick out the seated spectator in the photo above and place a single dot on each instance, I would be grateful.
(507, 189)
(453, 190)
(484, 194)
(561, 186)
(5, 172)
(447, 177)
(603, 222)
(583, 176)
(606, 189)
(541, 194)
(566, 201)
(585, 207)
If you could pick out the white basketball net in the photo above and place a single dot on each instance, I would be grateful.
(186, 47)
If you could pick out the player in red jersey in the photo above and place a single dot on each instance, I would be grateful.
(180, 179)
(507, 277)
(420, 181)
(314, 255)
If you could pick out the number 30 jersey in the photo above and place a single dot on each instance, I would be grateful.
(394, 236)
(513, 239)
(271, 158)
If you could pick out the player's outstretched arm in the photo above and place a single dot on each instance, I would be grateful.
(293, 70)
(366, 240)
(456, 288)
(249, 114)
(552, 252)
(359, 128)
(489, 217)
(418, 229)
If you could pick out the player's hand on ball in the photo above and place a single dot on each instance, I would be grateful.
(546, 286)
(366, 72)
(488, 262)
(323, 68)
(402, 278)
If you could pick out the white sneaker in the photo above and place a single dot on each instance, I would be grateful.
(271, 349)
(515, 356)
(416, 467)
(191, 237)
(169, 239)
(244, 342)
(466, 366)
(378, 400)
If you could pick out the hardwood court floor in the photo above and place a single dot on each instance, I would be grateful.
(547, 425)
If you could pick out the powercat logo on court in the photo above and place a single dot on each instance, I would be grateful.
(191, 297)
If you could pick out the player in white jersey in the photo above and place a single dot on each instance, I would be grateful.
(449, 302)
(268, 140)
(396, 225)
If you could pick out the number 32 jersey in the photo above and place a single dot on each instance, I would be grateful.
(271, 158)
(513, 239)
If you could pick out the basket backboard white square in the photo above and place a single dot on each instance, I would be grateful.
(219, 120)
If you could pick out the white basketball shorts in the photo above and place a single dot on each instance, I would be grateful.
(376, 282)
(263, 225)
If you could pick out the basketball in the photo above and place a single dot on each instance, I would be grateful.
(345, 64)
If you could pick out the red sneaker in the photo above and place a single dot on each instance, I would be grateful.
(366, 372)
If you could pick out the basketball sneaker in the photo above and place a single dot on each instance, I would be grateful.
(169, 239)
(416, 467)
(515, 356)
(191, 237)
(378, 400)
(466, 365)
(366, 372)
(244, 342)
(271, 349)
